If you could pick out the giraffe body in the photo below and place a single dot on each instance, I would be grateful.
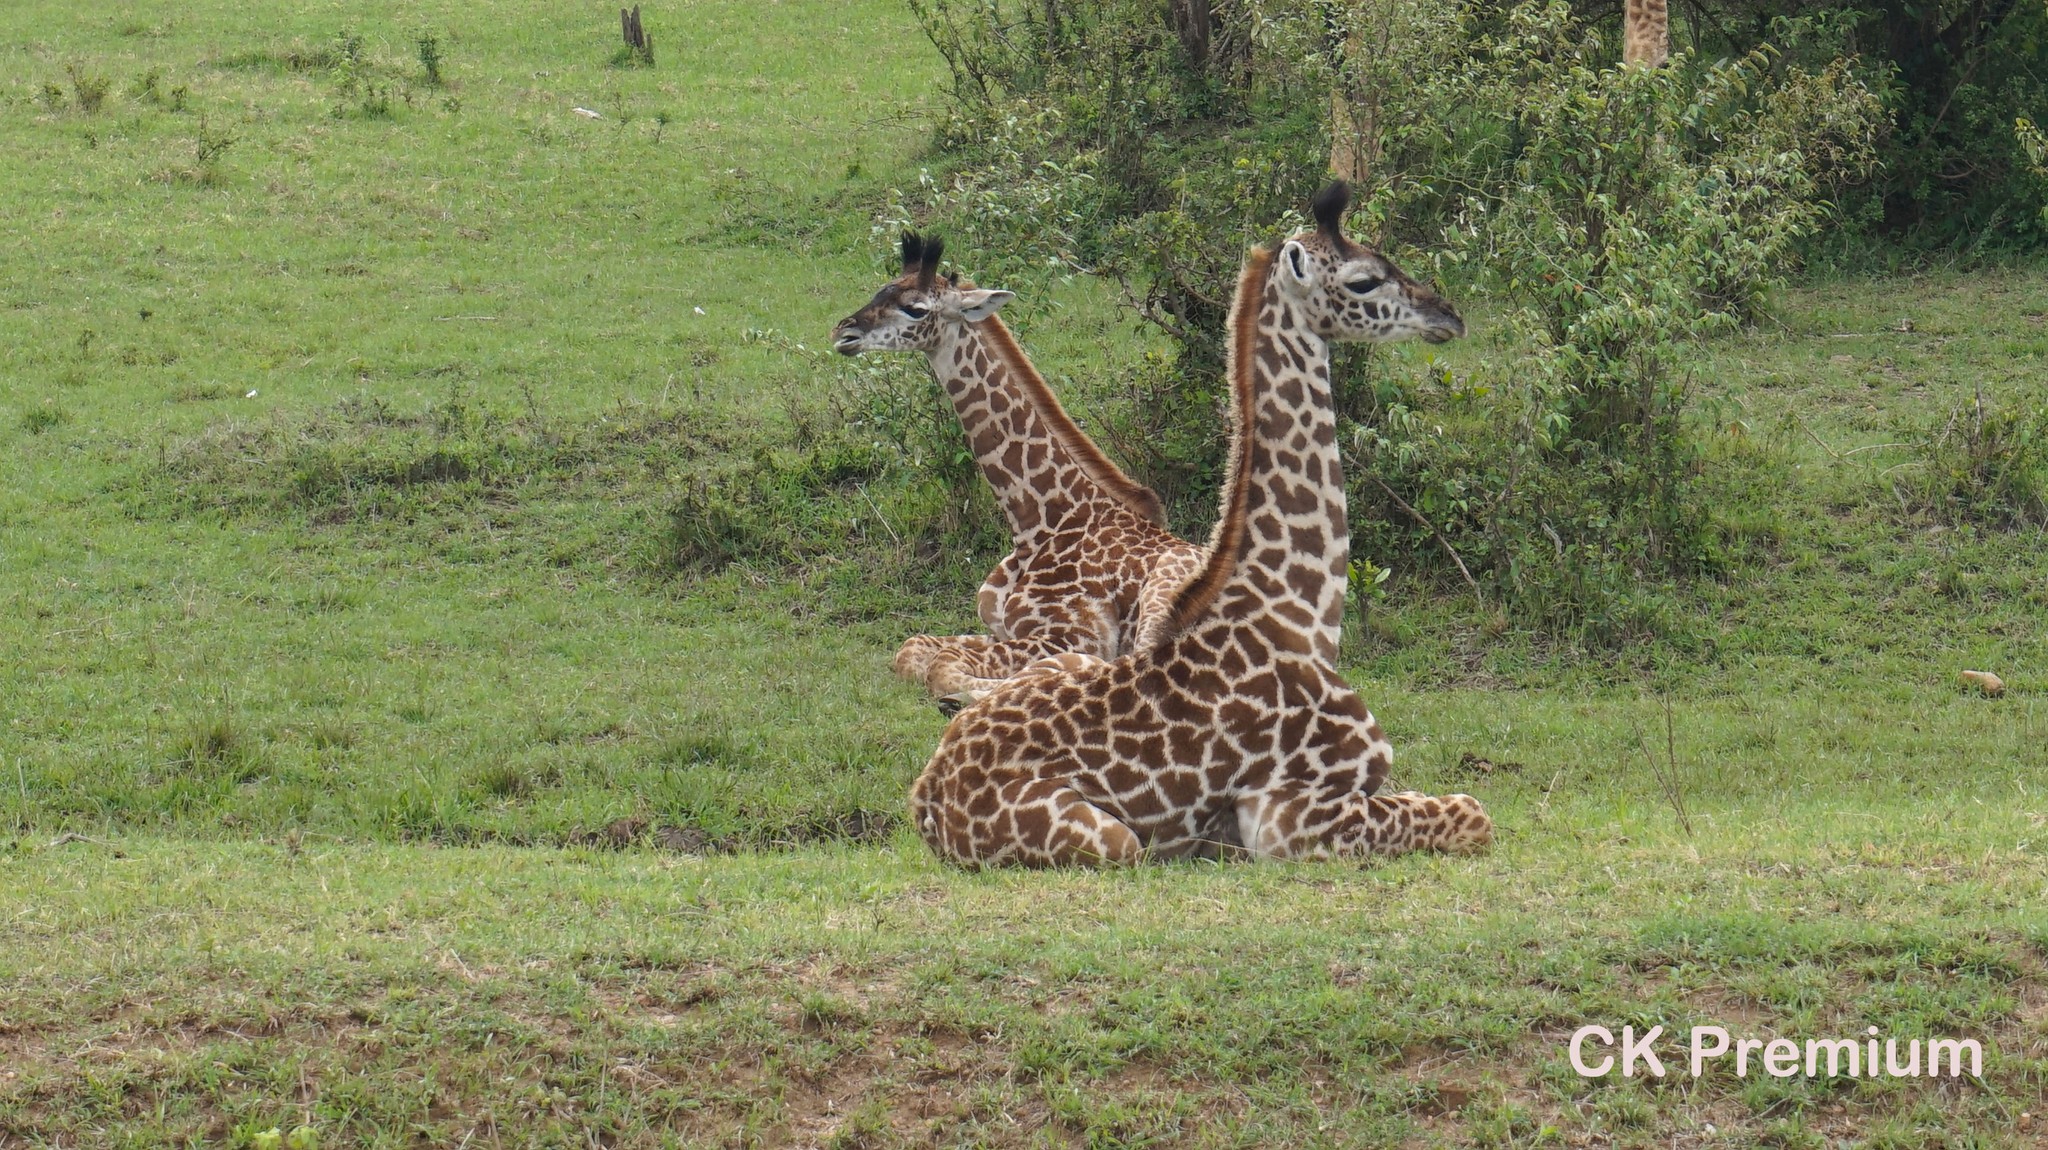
(1090, 568)
(1645, 32)
(1229, 728)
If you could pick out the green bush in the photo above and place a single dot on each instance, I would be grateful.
(1953, 74)
(1611, 214)
(1632, 210)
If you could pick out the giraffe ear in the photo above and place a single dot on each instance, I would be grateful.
(1296, 270)
(981, 303)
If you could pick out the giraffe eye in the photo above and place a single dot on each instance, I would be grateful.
(914, 312)
(1365, 285)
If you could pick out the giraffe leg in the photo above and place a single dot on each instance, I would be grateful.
(979, 670)
(1292, 822)
(1033, 822)
(1412, 821)
(1064, 663)
(915, 658)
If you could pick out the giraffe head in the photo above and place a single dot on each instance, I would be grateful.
(1352, 294)
(913, 311)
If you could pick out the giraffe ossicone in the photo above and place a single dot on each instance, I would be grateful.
(1090, 567)
(1228, 729)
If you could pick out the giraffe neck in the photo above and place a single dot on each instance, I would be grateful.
(1034, 478)
(1645, 32)
(1100, 469)
(1297, 550)
(1282, 545)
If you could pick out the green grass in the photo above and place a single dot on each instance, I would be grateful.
(512, 550)
(386, 995)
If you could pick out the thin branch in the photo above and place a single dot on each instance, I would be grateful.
(1666, 773)
(1448, 549)
(1816, 438)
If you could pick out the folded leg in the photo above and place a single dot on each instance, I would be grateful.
(1064, 663)
(915, 658)
(1036, 822)
(1292, 821)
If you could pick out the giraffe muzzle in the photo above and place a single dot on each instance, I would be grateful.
(847, 342)
(1444, 327)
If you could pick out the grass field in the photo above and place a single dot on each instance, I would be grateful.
(343, 421)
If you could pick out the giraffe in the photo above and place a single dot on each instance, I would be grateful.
(1090, 566)
(1229, 729)
(1645, 32)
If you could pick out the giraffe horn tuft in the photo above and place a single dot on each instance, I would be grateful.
(1328, 208)
(913, 251)
(928, 268)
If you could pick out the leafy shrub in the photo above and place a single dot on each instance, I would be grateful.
(209, 144)
(428, 47)
(1612, 214)
(356, 87)
(1582, 492)
(1952, 75)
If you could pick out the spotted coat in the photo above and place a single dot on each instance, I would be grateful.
(1230, 729)
(1090, 567)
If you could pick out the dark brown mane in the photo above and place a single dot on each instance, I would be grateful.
(1100, 468)
(1228, 540)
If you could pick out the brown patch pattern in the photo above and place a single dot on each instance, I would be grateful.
(1645, 32)
(1090, 570)
(1229, 728)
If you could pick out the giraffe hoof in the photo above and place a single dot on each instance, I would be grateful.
(950, 705)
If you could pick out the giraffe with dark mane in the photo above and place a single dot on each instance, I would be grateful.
(1228, 728)
(1090, 566)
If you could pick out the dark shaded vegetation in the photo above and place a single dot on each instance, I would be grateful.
(1955, 75)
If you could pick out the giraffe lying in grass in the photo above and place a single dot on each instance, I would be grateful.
(1229, 727)
(1090, 567)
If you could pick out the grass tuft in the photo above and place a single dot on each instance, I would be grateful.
(47, 417)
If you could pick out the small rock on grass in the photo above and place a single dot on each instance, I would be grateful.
(1985, 681)
(1475, 764)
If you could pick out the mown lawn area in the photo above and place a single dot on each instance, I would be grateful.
(445, 609)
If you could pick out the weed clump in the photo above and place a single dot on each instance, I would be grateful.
(209, 144)
(775, 508)
(332, 735)
(357, 90)
(88, 92)
(1985, 465)
(148, 89)
(216, 744)
(428, 46)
